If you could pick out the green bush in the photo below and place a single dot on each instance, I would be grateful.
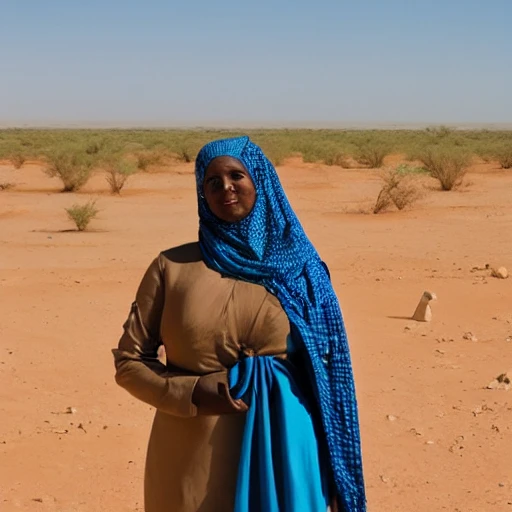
(504, 156)
(186, 154)
(372, 153)
(72, 166)
(410, 169)
(94, 147)
(446, 164)
(148, 157)
(118, 171)
(337, 158)
(278, 144)
(17, 159)
(82, 214)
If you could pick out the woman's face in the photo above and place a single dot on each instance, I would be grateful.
(228, 189)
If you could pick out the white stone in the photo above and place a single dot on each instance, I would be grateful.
(500, 273)
(502, 381)
(423, 312)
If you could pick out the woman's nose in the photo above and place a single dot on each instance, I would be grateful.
(228, 185)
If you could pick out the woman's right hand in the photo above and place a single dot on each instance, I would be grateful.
(211, 396)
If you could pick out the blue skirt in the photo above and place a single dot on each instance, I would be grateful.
(282, 465)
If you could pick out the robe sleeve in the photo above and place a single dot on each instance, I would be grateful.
(138, 368)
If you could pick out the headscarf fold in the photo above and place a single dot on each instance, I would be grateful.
(270, 248)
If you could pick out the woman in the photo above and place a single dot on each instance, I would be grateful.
(256, 407)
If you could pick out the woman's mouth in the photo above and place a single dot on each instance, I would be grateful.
(230, 202)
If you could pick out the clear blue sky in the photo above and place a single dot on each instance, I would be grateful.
(266, 62)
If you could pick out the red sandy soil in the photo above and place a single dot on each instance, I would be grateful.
(64, 296)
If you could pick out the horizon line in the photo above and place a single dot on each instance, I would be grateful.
(310, 125)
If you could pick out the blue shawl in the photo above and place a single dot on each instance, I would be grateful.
(270, 248)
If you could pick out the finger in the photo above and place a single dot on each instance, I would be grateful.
(238, 405)
(241, 405)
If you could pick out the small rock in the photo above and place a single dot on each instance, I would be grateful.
(500, 273)
(70, 410)
(423, 312)
(469, 336)
(384, 479)
(430, 442)
(502, 381)
(390, 417)
(39, 500)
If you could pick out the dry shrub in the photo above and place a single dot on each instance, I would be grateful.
(148, 157)
(372, 153)
(6, 185)
(447, 164)
(82, 214)
(383, 201)
(17, 159)
(337, 158)
(275, 152)
(94, 147)
(118, 171)
(186, 154)
(73, 168)
(400, 189)
(504, 156)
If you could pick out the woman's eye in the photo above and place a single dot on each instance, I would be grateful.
(236, 176)
(213, 183)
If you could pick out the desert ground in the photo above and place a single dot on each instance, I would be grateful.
(434, 437)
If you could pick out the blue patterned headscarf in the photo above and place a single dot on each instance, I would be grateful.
(269, 248)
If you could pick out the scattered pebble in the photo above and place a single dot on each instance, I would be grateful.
(457, 445)
(478, 269)
(480, 409)
(390, 417)
(469, 336)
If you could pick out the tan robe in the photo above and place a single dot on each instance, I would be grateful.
(204, 321)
